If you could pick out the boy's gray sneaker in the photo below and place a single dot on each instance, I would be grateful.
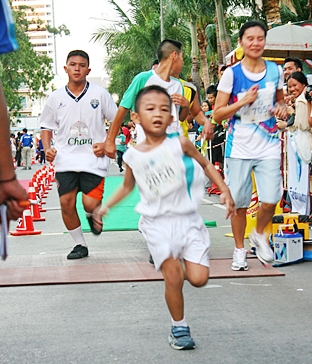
(180, 338)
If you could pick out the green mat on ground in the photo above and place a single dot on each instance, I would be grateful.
(122, 216)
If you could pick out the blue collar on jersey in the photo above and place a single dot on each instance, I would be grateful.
(77, 98)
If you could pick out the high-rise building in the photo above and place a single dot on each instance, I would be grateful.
(42, 40)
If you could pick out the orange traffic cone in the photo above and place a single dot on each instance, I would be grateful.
(214, 190)
(52, 172)
(25, 225)
(34, 208)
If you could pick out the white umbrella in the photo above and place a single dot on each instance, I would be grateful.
(289, 40)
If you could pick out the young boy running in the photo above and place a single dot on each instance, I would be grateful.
(174, 231)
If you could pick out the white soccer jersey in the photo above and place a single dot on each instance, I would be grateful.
(79, 122)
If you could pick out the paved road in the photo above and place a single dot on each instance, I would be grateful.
(246, 320)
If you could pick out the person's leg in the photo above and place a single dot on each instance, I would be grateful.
(173, 274)
(238, 179)
(196, 274)
(180, 334)
(268, 178)
(68, 187)
(119, 158)
(92, 193)
(24, 158)
(28, 157)
(73, 225)
(238, 223)
(68, 209)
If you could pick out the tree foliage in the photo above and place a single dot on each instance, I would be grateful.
(131, 41)
(23, 68)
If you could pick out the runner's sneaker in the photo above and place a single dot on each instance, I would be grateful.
(239, 259)
(78, 252)
(180, 338)
(263, 250)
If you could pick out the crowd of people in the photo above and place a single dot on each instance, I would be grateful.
(26, 149)
(237, 126)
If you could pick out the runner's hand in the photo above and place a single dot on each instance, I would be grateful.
(110, 148)
(50, 154)
(99, 149)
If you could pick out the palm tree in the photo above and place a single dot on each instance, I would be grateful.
(131, 40)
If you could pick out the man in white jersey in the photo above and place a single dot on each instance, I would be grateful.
(78, 112)
(251, 94)
(169, 53)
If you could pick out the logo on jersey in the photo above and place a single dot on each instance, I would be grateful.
(60, 105)
(94, 103)
(79, 134)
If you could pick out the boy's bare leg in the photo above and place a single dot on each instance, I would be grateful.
(173, 273)
(90, 203)
(69, 211)
(238, 227)
(196, 274)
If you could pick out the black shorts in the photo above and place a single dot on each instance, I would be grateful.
(88, 183)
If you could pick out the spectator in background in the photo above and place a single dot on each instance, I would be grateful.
(18, 156)
(299, 145)
(291, 64)
(13, 145)
(126, 132)
(121, 147)
(211, 95)
(42, 157)
(26, 145)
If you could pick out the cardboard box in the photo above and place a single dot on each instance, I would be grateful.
(288, 247)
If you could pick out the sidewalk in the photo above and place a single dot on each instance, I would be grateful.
(246, 320)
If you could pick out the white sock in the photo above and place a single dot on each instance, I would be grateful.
(239, 249)
(179, 323)
(77, 236)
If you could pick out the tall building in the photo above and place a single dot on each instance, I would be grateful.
(42, 40)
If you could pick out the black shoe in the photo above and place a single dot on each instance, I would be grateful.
(93, 229)
(151, 260)
(78, 252)
(120, 169)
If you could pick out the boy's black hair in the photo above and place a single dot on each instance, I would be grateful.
(212, 89)
(296, 61)
(145, 91)
(25, 130)
(251, 24)
(166, 47)
(80, 53)
(223, 68)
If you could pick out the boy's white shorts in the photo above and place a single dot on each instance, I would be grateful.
(181, 236)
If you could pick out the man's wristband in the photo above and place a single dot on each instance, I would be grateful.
(8, 180)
